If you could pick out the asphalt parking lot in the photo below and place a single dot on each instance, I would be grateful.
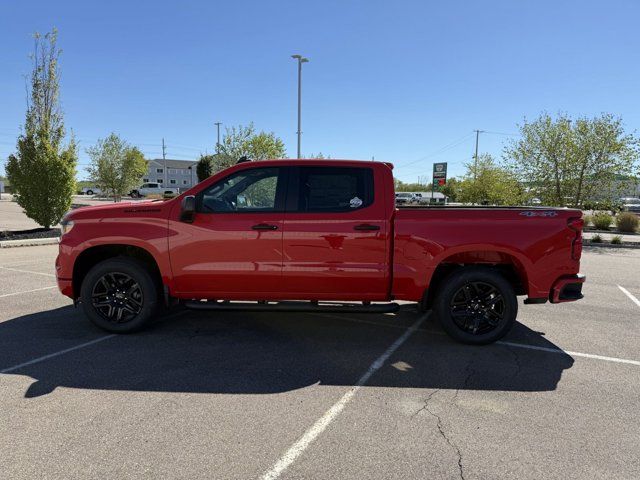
(275, 395)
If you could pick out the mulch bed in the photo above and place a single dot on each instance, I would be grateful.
(29, 234)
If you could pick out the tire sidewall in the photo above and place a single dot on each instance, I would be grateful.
(139, 273)
(475, 274)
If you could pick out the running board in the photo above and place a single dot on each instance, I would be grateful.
(294, 307)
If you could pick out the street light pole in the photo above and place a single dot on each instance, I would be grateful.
(301, 60)
(217, 124)
(475, 170)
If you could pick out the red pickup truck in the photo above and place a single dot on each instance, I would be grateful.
(305, 234)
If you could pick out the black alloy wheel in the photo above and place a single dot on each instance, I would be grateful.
(120, 295)
(117, 297)
(477, 307)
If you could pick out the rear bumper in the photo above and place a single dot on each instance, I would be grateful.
(567, 289)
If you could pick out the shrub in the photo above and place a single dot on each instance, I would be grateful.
(588, 220)
(602, 221)
(596, 239)
(627, 222)
(616, 240)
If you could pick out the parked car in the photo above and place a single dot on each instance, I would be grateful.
(312, 231)
(631, 204)
(91, 191)
(153, 189)
(404, 198)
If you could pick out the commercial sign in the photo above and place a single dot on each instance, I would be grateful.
(440, 173)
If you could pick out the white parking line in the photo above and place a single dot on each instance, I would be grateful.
(317, 428)
(499, 342)
(26, 291)
(575, 354)
(630, 295)
(76, 347)
(28, 271)
(57, 354)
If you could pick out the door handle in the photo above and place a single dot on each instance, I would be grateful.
(366, 226)
(264, 226)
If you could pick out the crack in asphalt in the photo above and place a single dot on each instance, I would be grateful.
(441, 430)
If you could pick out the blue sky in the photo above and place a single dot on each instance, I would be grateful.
(404, 81)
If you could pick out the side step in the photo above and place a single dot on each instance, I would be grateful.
(294, 307)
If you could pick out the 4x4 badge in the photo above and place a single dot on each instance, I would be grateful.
(546, 213)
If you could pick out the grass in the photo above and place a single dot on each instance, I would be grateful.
(617, 240)
(597, 238)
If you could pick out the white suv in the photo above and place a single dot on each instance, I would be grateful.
(153, 189)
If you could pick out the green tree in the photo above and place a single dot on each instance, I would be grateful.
(243, 141)
(205, 167)
(488, 183)
(564, 161)
(42, 171)
(451, 189)
(401, 186)
(116, 167)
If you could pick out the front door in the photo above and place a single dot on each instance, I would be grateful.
(335, 235)
(233, 248)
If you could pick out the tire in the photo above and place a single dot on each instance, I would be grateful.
(119, 295)
(476, 305)
(89, 192)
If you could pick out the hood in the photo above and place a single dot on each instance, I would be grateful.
(116, 209)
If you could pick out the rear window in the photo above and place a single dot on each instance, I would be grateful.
(334, 189)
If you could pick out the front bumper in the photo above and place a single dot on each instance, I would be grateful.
(567, 289)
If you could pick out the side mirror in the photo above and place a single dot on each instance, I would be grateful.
(188, 210)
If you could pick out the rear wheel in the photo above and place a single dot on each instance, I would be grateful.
(89, 192)
(476, 305)
(119, 295)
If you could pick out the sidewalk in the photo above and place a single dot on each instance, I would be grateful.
(626, 237)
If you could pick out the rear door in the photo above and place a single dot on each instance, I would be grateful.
(233, 248)
(335, 235)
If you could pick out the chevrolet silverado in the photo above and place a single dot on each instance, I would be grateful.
(303, 235)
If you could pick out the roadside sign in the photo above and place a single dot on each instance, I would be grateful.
(440, 173)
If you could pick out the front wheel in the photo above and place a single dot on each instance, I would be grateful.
(119, 295)
(476, 305)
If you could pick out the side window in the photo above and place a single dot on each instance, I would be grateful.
(253, 190)
(334, 189)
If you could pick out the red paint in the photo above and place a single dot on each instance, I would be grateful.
(320, 256)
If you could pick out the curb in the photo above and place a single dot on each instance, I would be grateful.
(610, 245)
(29, 242)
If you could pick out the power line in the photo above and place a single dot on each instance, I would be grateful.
(441, 150)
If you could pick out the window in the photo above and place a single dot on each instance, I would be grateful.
(251, 190)
(172, 171)
(159, 170)
(172, 181)
(159, 180)
(185, 182)
(186, 172)
(145, 180)
(334, 189)
(152, 185)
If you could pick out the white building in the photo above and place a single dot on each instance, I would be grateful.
(172, 173)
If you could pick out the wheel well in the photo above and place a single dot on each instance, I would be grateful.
(94, 255)
(508, 270)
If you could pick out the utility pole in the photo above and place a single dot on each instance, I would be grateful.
(301, 60)
(164, 161)
(217, 124)
(475, 170)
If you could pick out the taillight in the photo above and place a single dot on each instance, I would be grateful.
(576, 225)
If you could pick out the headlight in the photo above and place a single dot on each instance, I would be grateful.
(66, 225)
